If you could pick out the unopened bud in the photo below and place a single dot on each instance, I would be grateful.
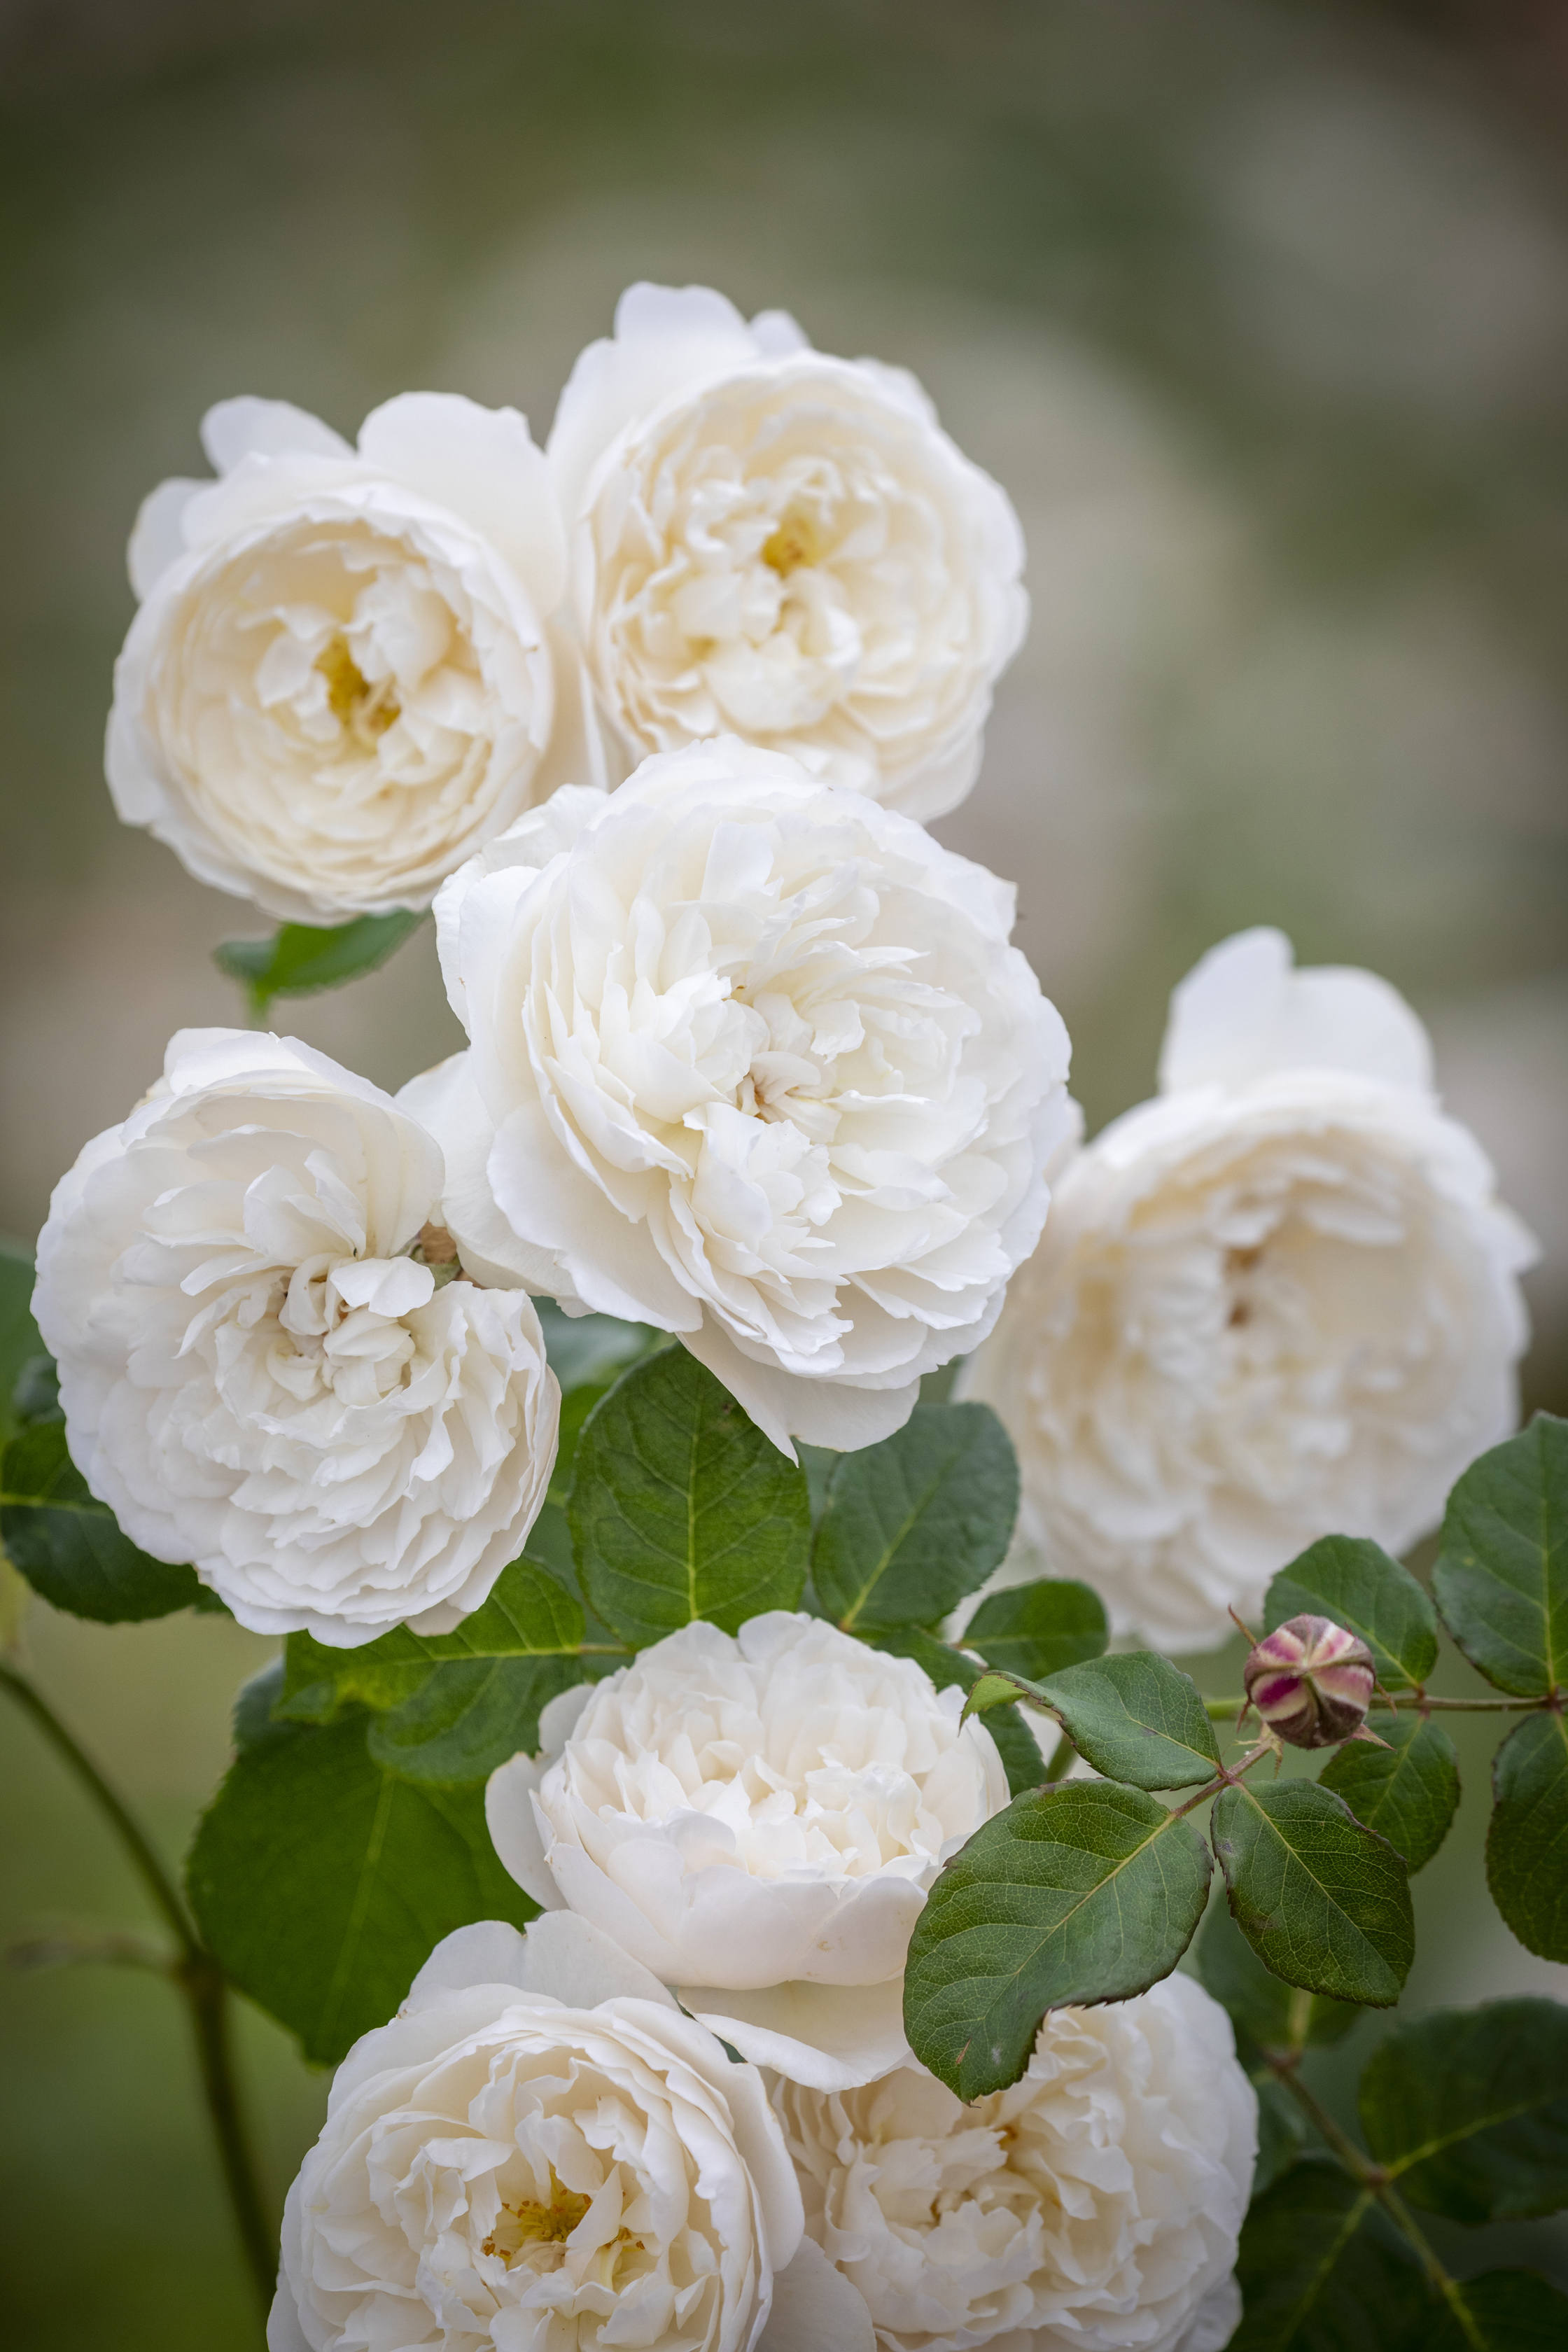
(1311, 1682)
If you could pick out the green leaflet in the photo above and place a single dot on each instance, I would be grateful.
(1408, 1792)
(300, 957)
(681, 1508)
(1084, 1893)
(587, 1354)
(19, 1339)
(320, 1879)
(913, 1524)
(1503, 2311)
(1323, 1902)
(1502, 1579)
(1135, 1717)
(1322, 2269)
(69, 1547)
(1270, 2012)
(1468, 2109)
(1358, 1584)
(1037, 1629)
(1527, 1844)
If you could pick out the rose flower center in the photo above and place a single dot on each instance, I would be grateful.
(362, 711)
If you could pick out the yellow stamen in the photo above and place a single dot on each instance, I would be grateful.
(364, 709)
(528, 2223)
(796, 542)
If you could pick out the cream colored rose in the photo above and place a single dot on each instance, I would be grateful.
(776, 544)
(339, 683)
(756, 1819)
(257, 1376)
(1094, 2206)
(539, 2154)
(751, 1061)
(1278, 1303)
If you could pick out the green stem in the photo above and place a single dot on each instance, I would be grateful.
(200, 1980)
(1225, 1710)
(1371, 2176)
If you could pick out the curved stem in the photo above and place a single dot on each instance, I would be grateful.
(1371, 2176)
(201, 1982)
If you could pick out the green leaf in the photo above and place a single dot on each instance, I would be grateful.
(254, 1721)
(19, 1339)
(1468, 2109)
(299, 958)
(1037, 1629)
(1323, 1902)
(1408, 1792)
(1502, 1579)
(1281, 2130)
(913, 1524)
(1261, 2005)
(1135, 1717)
(1503, 2311)
(681, 1508)
(454, 1706)
(1322, 2269)
(320, 1879)
(1359, 1585)
(1085, 1893)
(1015, 1742)
(592, 1352)
(69, 1546)
(1527, 1844)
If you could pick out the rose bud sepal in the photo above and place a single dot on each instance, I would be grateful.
(1311, 1682)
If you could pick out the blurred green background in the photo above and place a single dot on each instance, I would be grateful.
(1260, 312)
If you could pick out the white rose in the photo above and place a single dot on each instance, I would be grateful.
(539, 2154)
(756, 1819)
(257, 1380)
(339, 683)
(773, 543)
(1094, 2205)
(1279, 1302)
(752, 1061)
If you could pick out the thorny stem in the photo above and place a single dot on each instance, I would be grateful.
(1225, 1710)
(198, 1978)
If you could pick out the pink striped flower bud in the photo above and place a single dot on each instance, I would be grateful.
(1311, 1682)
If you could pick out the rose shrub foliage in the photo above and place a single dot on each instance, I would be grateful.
(698, 1805)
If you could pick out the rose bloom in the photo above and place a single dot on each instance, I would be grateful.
(756, 1819)
(1277, 1303)
(539, 2154)
(340, 682)
(1093, 2206)
(256, 1376)
(751, 1061)
(773, 544)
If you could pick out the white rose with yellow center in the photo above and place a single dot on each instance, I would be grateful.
(1278, 1303)
(340, 682)
(773, 544)
(751, 1061)
(540, 2154)
(757, 1820)
(1094, 2207)
(258, 1375)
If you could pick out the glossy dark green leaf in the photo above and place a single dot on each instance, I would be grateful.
(680, 1508)
(1527, 1844)
(1085, 1893)
(1323, 1902)
(1358, 1584)
(1468, 2109)
(1503, 2311)
(1135, 1717)
(1020, 1751)
(36, 1394)
(254, 1722)
(69, 1546)
(1037, 1629)
(1502, 1579)
(299, 958)
(320, 1879)
(1322, 2269)
(19, 1339)
(913, 1524)
(1408, 1791)
(1261, 2005)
